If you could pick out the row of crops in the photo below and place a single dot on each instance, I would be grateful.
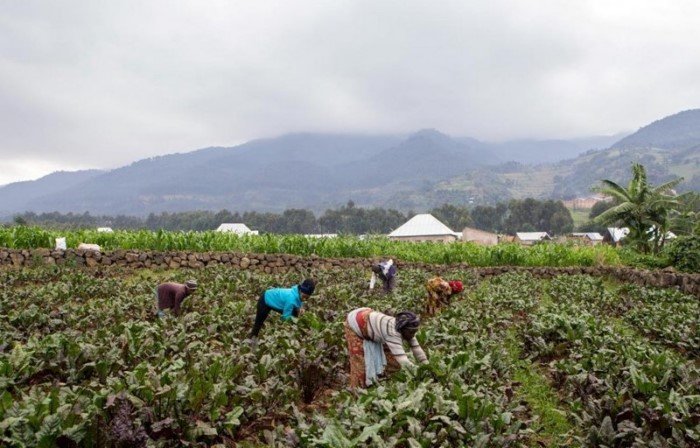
(21, 237)
(516, 361)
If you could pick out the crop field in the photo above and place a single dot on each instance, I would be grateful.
(21, 237)
(514, 361)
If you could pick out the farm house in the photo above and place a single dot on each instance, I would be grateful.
(237, 228)
(424, 227)
(588, 238)
(530, 238)
(614, 235)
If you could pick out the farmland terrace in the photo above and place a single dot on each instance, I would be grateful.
(526, 356)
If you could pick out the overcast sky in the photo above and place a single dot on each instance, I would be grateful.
(103, 83)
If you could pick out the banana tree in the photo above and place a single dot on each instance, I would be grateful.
(642, 207)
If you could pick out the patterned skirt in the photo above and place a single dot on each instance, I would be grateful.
(356, 354)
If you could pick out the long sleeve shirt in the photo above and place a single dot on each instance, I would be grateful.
(285, 300)
(171, 295)
(381, 329)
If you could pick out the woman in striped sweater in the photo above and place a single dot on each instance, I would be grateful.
(375, 341)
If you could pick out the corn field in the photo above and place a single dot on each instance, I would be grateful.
(341, 247)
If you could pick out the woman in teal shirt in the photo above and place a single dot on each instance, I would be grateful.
(286, 301)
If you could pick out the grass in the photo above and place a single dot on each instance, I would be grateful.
(551, 426)
(580, 216)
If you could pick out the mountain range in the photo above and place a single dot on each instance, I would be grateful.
(319, 171)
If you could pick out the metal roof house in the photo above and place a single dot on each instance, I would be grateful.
(424, 227)
(614, 235)
(530, 238)
(237, 228)
(589, 238)
(105, 230)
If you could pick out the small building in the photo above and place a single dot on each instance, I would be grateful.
(424, 227)
(105, 230)
(237, 228)
(321, 235)
(480, 237)
(530, 238)
(588, 238)
(615, 235)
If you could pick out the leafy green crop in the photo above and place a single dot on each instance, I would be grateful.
(84, 362)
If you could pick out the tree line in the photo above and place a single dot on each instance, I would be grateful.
(515, 216)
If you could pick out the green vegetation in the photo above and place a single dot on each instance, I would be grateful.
(579, 216)
(684, 253)
(346, 246)
(643, 208)
(515, 361)
(514, 216)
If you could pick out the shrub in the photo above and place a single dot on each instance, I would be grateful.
(684, 253)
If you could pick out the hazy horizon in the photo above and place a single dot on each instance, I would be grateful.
(87, 85)
(46, 169)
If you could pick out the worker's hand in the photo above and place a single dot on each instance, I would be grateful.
(301, 312)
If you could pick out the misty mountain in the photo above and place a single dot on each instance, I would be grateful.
(319, 171)
(669, 148)
(676, 132)
(533, 152)
(18, 195)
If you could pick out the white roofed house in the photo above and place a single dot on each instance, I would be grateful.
(588, 238)
(237, 228)
(530, 238)
(614, 235)
(105, 230)
(424, 227)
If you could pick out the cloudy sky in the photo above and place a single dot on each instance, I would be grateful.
(103, 83)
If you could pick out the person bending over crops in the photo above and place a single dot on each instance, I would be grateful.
(386, 271)
(287, 301)
(439, 293)
(375, 342)
(171, 295)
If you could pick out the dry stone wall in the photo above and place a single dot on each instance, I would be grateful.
(282, 263)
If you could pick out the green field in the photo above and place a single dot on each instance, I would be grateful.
(579, 216)
(515, 361)
(341, 247)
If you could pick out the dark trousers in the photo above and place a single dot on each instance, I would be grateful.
(261, 315)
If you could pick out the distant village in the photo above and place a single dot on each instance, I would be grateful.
(426, 227)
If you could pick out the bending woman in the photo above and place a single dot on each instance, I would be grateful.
(440, 293)
(286, 301)
(375, 341)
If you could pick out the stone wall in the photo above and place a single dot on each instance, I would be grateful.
(282, 263)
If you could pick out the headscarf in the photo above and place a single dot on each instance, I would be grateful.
(407, 320)
(307, 286)
(456, 286)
